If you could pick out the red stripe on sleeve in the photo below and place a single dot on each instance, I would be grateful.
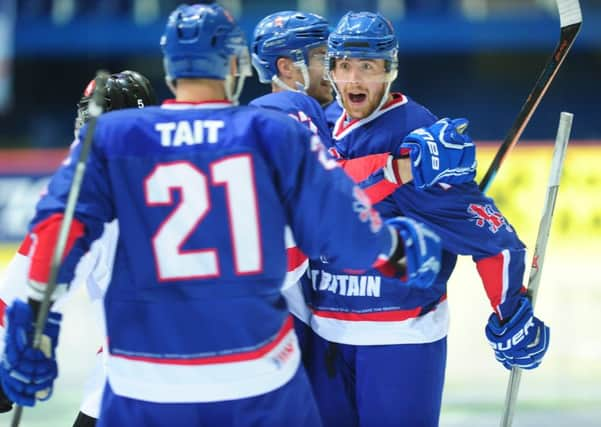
(25, 245)
(295, 258)
(491, 272)
(380, 191)
(361, 168)
(2, 311)
(46, 235)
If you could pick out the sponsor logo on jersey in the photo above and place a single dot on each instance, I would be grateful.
(349, 285)
(284, 354)
(487, 215)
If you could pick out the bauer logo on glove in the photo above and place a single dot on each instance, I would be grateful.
(521, 342)
(441, 153)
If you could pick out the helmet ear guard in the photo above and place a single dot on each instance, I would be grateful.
(287, 34)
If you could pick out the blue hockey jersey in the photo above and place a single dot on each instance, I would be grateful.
(202, 193)
(300, 107)
(365, 309)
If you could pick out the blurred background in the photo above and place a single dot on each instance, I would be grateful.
(473, 58)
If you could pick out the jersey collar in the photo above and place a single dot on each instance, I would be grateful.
(343, 126)
(172, 104)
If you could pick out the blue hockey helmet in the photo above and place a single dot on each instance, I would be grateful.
(364, 35)
(199, 41)
(289, 34)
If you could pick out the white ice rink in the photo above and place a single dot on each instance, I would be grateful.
(564, 391)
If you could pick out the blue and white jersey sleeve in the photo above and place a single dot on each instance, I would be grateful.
(92, 211)
(470, 223)
(327, 212)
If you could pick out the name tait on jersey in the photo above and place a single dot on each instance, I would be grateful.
(176, 134)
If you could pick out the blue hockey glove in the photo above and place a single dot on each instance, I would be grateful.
(522, 341)
(442, 152)
(27, 373)
(417, 258)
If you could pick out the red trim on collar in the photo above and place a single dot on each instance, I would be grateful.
(340, 125)
(396, 98)
(208, 101)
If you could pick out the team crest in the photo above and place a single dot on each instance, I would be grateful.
(486, 215)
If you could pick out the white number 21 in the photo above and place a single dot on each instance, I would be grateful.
(235, 173)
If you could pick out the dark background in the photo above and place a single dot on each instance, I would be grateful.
(455, 63)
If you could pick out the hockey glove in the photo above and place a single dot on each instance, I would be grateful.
(442, 152)
(522, 341)
(416, 261)
(27, 373)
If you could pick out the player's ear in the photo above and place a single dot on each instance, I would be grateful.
(285, 67)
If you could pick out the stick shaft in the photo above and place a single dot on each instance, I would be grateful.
(571, 21)
(95, 110)
(561, 143)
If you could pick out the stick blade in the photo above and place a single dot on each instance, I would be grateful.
(569, 12)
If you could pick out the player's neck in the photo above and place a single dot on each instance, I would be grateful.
(198, 90)
(290, 84)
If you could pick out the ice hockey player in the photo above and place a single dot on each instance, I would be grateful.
(127, 89)
(288, 52)
(378, 351)
(197, 329)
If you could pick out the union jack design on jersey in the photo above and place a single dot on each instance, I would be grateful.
(487, 215)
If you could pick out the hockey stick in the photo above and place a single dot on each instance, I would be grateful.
(94, 109)
(570, 18)
(561, 143)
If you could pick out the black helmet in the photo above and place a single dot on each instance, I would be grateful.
(127, 89)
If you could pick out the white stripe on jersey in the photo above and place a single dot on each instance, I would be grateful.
(159, 382)
(430, 327)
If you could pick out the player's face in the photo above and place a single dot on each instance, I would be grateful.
(361, 83)
(319, 87)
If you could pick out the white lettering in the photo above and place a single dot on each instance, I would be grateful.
(326, 278)
(373, 286)
(332, 287)
(342, 279)
(183, 135)
(353, 286)
(176, 134)
(345, 284)
(198, 131)
(165, 129)
(518, 337)
(362, 283)
(213, 127)
(313, 276)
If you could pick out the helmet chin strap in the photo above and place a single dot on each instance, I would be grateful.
(300, 87)
(229, 84)
(170, 84)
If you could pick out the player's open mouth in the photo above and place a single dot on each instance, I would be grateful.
(357, 98)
